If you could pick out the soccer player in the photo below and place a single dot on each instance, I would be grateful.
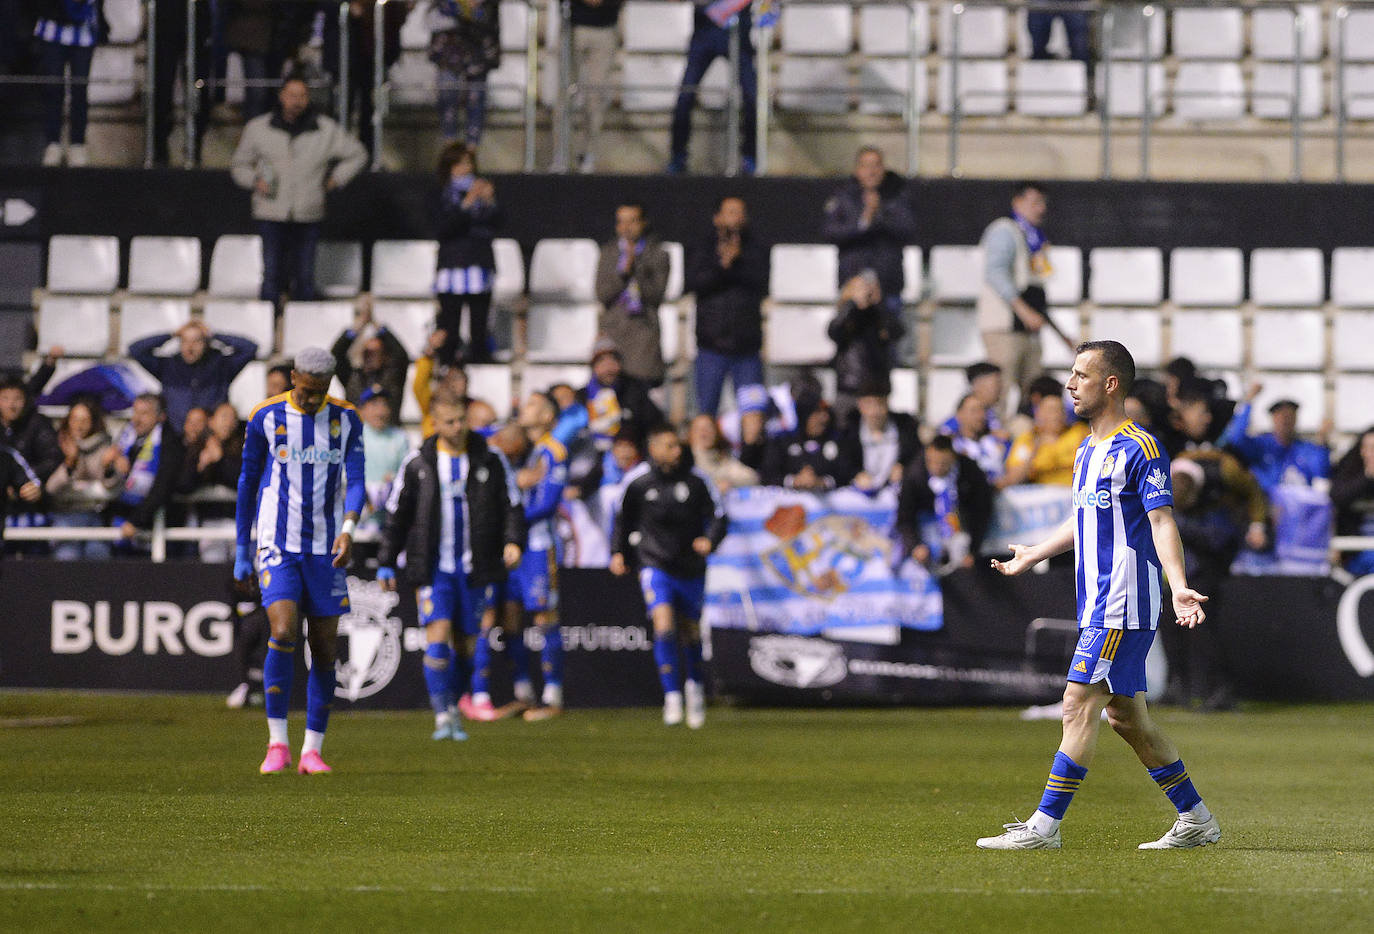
(1122, 530)
(670, 520)
(535, 581)
(450, 511)
(302, 484)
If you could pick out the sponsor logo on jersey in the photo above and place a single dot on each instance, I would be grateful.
(1086, 499)
(290, 453)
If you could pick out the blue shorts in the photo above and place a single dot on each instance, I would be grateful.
(1114, 655)
(535, 582)
(687, 595)
(317, 587)
(449, 597)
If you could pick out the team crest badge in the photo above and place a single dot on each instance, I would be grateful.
(1109, 465)
(334, 429)
(822, 558)
(680, 492)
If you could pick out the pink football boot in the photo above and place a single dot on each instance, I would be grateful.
(312, 764)
(278, 759)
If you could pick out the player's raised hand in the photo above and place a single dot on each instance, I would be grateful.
(343, 550)
(1188, 607)
(1021, 561)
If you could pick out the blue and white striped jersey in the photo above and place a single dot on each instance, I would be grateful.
(301, 472)
(1116, 482)
(543, 499)
(455, 548)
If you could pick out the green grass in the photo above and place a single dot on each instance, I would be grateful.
(146, 814)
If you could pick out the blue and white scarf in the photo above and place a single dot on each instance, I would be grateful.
(144, 456)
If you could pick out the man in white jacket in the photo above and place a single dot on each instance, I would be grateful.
(289, 159)
(1011, 303)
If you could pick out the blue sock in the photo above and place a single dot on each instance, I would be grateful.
(665, 656)
(277, 672)
(1065, 777)
(461, 677)
(319, 696)
(551, 659)
(691, 653)
(519, 654)
(439, 675)
(1173, 780)
(481, 665)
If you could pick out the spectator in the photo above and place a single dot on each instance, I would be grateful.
(1148, 405)
(143, 465)
(711, 40)
(594, 47)
(1012, 305)
(193, 426)
(1192, 417)
(197, 371)
(465, 44)
(1040, 387)
(810, 458)
(1039, 22)
(278, 380)
(1352, 493)
(984, 384)
(481, 417)
(47, 365)
(212, 463)
(248, 26)
(67, 32)
(615, 400)
(1045, 453)
(430, 376)
(385, 446)
(572, 414)
(1277, 456)
(75, 489)
(728, 272)
(973, 440)
(1236, 490)
(290, 159)
(865, 331)
(16, 482)
(169, 33)
(944, 508)
(631, 279)
(26, 433)
(367, 357)
(362, 37)
(711, 454)
(469, 217)
(871, 220)
(880, 442)
(1177, 372)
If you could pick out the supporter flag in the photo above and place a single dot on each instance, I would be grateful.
(722, 11)
(116, 385)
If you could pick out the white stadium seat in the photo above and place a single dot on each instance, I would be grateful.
(1139, 329)
(813, 84)
(1357, 89)
(80, 325)
(1288, 340)
(1210, 338)
(1352, 277)
(509, 284)
(1065, 284)
(804, 272)
(83, 265)
(338, 268)
(250, 318)
(564, 270)
(540, 378)
(669, 336)
(1214, 34)
(1359, 34)
(796, 334)
(412, 80)
(676, 271)
(944, 389)
(956, 273)
(1271, 34)
(115, 75)
(649, 83)
(562, 332)
(1057, 46)
(125, 21)
(1287, 278)
(1128, 33)
(164, 265)
(982, 90)
(514, 21)
(656, 26)
(145, 317)
(982, 32)
(313, 324)
(884, 84)
(1206, 277)
(236, 266)
(817, 29)
(1271, 91)
(1353, 413)
(415, 32)
(410, 321)
(885, 29)
(1054, 353)
(404, 268)
(954, 338)
(905, 396)
(1126, 276)
(1209, 91)
(1125, 97)
(1051, 89)
(1306, 389)
(248, 388)
(491, 382)
(1352, 343)
(913, 275)
(507, 84)
(410, 413)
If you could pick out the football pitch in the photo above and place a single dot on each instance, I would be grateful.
(146, 813)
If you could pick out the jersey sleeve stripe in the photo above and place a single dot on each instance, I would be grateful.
(1146, 443)
(266, 402)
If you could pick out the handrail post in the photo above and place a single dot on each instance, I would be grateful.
(733, 103)
(1295, 114)
(955, 104)
(150, 85)
(343, 90)
(913, 87)
(1104, 102)
(763, 99)
(192, 92)
(531, 80)
(159, 544)
(1147, 105)
(379, 89)
(562, 111)
(1342, 14)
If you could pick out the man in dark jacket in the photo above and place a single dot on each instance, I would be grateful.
(945, 507)
(729, 274)
(145, 460)
(870, 219)
(879, 443)
(865, 332)
(452, 514)
(631, 279)
(811, 458)
(198, 373)
(670, 521)
(29, 435)
(382, 361)
(17, 480)
(614, 400)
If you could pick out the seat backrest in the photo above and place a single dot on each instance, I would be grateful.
(1212, 277)
(338, 268)
(956, 273)
(313, 324)
(803, 272)
(80, 325)
(164, 265)
(1199, 33)
(510, 271)
(411, 321)
(564, 270)
(1352, 277)
(145, 317)
(404, 268)
(236, 266)
(83, 265)
(884, 29)
(1126, 275)
(656, 25)
(1293, 278)
(252, 318)
(817, 29)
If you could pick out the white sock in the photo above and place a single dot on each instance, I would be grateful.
(1043, 824)
(443, 719)
(553, 695)
(276, 731)
(314, 741)
(1199, 814)
(481, 698)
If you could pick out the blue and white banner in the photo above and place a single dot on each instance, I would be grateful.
(1026, 514)
(804, 563)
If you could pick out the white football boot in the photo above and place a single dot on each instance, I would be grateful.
(1020, 837)
(672, 708)
(1187, 833)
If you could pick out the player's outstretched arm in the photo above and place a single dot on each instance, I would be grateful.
(1025, 557)
(1169, 547)
(253, 463)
